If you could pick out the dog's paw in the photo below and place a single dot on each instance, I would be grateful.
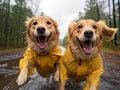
(21, 78)
(56, 77)
(92, 88)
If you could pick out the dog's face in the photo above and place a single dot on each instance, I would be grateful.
(86, 36)
(42, 32)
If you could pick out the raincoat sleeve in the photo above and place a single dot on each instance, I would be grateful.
(93, 80)
(63, 72)
(57, 52)
(59, 55)
(27, 61)
(64, 61)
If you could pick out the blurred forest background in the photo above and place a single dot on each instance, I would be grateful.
(13, 16)
(108, 10)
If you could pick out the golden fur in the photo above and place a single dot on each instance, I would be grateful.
(53, 28)
(102, 32)
(76, 36)
(42, 37)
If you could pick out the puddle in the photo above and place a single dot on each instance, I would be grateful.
(9, 70)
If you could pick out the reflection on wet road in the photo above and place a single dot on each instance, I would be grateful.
(9, 70)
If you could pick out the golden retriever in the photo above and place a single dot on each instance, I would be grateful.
(43, 51)
(82, 60)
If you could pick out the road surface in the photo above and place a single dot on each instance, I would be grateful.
(9, 69)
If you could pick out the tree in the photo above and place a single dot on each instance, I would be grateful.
(7, 19)
(114, 24)
(90, 10)
(80, 16)
(1, 22)
(65, 41)
(109, 15)
(119, 17)
(18, 16)
(94, 10)
(98, 13)
(12, 18)
(4, 22)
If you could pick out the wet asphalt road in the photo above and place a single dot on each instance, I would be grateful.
(9, 70)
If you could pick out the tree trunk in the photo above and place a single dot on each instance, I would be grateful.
(114, 23)
(119, 17)
(19, 25)
(110, 24)
(2, 24)
(6, 29)
(98, 13)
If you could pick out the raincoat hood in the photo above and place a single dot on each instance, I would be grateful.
(45, 64)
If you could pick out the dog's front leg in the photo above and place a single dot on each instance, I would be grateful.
(22, 76)
(62, 86)
(93, 80)
(57, 74)
(92, 87)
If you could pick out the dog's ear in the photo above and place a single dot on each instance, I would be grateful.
(55, 24)
(28, 22)
(71, 28)
(107, 32)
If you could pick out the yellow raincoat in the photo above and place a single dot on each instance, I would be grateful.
(80, 70)
(45, 64)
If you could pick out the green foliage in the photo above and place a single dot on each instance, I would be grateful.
(65, 41)
(96, 10)
(91, 10)
(12, 26)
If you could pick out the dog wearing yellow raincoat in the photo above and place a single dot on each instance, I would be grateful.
(43, 51)
(82, 60)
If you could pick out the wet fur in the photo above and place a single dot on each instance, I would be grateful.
(102, 32)
(32, 43)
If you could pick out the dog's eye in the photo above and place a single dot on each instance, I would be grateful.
(94, 26)
(48, 22)
(35, 23)
(80, 26)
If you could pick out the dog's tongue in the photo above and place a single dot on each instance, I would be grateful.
(42, 42)
(87, 47)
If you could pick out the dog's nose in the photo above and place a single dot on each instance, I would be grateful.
(88, 34)
(41, 30)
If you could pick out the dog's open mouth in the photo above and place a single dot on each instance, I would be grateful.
(42, 41)
(87, 46)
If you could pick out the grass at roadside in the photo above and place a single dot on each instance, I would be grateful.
(112, 50)
(10, 50)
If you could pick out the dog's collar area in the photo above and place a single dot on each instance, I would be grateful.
(44, 54)
(80, 61)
